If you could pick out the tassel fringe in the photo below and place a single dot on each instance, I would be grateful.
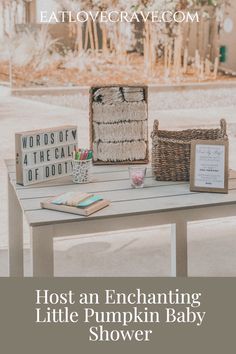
(120, 132)
(119, 112)
(113, 152)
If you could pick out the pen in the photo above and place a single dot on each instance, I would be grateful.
(82, 154)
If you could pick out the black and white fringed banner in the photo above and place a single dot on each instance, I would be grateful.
(44, 154)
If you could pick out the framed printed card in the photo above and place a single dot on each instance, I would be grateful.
(209, 166)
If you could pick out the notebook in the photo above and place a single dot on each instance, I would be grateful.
(76, 203)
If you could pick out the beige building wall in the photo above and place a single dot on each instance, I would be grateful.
(45, 5)
(229, 38)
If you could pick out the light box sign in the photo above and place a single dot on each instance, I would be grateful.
(44, 154)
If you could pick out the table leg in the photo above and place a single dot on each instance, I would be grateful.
(15, 234)
(179, 251)
(42, 251)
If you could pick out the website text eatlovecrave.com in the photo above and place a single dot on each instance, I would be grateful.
(119, 16)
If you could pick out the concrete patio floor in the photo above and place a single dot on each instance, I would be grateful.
(212, 245)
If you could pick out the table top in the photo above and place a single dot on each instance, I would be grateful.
(112, 182)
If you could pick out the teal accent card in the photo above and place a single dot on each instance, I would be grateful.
(62, 198)
(86, 203)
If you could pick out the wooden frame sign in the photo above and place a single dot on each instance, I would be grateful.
(209, 166)
(119, 124)
(44, 154)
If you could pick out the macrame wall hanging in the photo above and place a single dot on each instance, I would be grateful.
(119, 124)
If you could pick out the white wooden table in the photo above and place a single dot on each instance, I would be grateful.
(157, 204)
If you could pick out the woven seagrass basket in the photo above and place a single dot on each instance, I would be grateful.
(171, 150)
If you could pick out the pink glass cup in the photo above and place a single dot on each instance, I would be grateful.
(137, 176)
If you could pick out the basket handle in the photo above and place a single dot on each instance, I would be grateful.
(155, 128)
(223, 126)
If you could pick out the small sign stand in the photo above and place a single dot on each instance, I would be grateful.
(209, 166)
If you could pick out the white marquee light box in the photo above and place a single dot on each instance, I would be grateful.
(44, 154)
